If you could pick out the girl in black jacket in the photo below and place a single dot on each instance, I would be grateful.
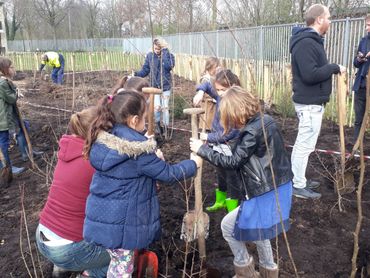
(260, 217)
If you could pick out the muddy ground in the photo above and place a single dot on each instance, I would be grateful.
(320, 240)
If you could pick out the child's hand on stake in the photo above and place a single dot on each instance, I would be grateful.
(195, 145)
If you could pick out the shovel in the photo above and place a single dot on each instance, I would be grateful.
(196, 223)
(26, 135)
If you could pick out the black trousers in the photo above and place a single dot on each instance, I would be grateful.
(360, 106)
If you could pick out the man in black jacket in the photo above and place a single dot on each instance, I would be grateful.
(312, 82)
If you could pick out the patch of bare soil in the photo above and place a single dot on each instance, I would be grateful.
(320, 239)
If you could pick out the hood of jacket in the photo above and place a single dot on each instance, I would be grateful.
(70, 147)
(300, 33)
(124, 143)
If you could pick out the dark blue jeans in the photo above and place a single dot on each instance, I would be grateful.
(77, 256)
(58, 73)
(4, 145)
(360, 106)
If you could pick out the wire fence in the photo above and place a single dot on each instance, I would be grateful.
(259, 53)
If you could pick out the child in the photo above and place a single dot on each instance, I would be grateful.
(208, 104)
(258, 218)
(9, 119)
(224, 79)
(127, 82)
(61, 220)
(158, 66)
(122, 211)
(212, 63)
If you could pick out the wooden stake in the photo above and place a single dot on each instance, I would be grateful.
(342, 111)
(73, 81)
(199, 218)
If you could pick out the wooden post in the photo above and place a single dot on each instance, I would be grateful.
(266, 85)
(341, 107)
(151, 91)
(36, 67)
(199, 218)
(73, 81)
(90, 61)
(190, 68)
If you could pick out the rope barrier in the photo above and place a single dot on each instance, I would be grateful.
(366, 157)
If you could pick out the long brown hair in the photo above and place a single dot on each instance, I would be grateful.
(115, 109)
(236, 108)
(211, 62)
(80, 122)
(227, 78)
(5, 64)
(133, 83)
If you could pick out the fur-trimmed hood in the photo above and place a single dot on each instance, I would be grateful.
(123, 143)
(122, 146)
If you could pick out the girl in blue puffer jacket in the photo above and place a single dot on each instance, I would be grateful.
(122, 209)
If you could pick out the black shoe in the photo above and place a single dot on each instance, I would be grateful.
(305, 193)
(312, 184)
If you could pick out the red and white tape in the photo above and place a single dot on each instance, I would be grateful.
(366, 157)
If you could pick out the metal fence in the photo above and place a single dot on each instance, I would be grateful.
(258, 43)
(258, 53)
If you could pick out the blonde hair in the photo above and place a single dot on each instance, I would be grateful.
(160, 42)
(80, 122)
(236, 108)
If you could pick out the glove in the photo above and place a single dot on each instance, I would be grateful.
(203, 136)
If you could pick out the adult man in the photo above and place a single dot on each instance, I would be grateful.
(56, 62)
(312, 82)
(362, 62)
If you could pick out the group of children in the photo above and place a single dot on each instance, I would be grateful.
(107, 206)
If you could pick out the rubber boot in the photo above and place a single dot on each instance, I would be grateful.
(269, 272)
(231, 204)
(246, 271)
(220, 201)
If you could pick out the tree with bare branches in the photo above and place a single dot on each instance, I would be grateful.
(53, 12)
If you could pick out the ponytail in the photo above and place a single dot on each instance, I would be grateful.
(103, 122)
